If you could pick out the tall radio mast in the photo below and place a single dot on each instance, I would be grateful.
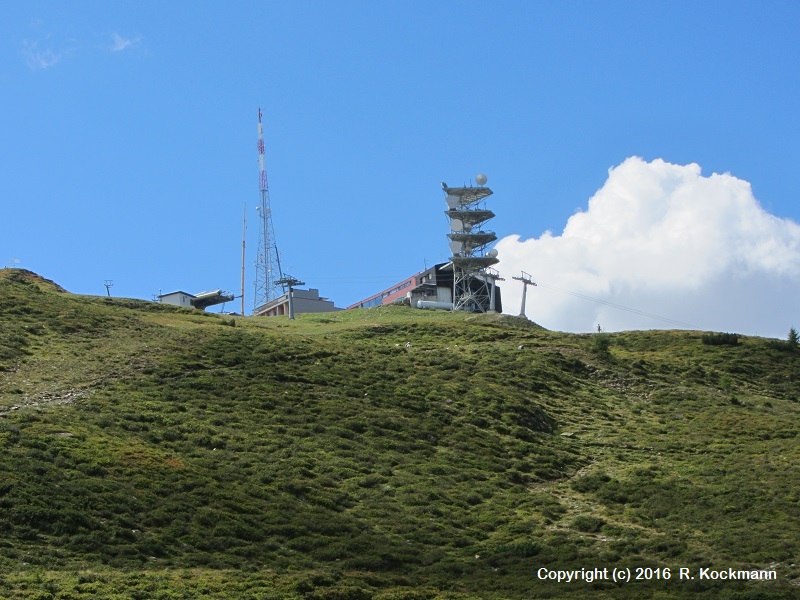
(268, 262)
(244, 238)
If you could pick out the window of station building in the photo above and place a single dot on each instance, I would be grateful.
(402, 286)
(377, 301)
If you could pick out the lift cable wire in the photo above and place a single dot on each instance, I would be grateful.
(620, 307)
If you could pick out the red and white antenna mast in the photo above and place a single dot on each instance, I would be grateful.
(268, 262)
(262, 180)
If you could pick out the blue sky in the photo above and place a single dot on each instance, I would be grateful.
(129, 130)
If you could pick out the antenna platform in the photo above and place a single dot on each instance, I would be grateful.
(473, 288)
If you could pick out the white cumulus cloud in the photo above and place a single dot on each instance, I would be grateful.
(665, 241)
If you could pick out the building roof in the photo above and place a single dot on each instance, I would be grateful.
(202, 300)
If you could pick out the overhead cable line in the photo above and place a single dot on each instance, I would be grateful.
(620, 307)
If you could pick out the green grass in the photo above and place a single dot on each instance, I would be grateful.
(156, 452)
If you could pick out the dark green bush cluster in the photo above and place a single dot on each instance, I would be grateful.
(587, 523)
(721, 339)
(791, 343)
(781, 345)
(601, 343)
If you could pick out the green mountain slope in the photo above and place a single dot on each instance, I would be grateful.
(148, 451)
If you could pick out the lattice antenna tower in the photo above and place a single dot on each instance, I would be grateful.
(268, 262)
(473, 289)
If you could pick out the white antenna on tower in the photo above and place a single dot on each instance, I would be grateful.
(268, 262)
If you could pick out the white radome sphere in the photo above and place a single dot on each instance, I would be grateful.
(481, 179)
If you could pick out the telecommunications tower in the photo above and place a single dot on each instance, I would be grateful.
(268, 283)
(473, 289)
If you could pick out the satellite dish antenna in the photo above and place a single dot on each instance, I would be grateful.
(492, 253)
(481, 179)
(456, 247)
(456, 225)
(467, 228)
(452, 201)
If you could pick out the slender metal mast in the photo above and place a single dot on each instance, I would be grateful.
(268, 262)
(244, 238)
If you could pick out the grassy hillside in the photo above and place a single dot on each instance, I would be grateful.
(148, 451)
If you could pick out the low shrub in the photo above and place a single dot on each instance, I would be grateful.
(721, 339)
